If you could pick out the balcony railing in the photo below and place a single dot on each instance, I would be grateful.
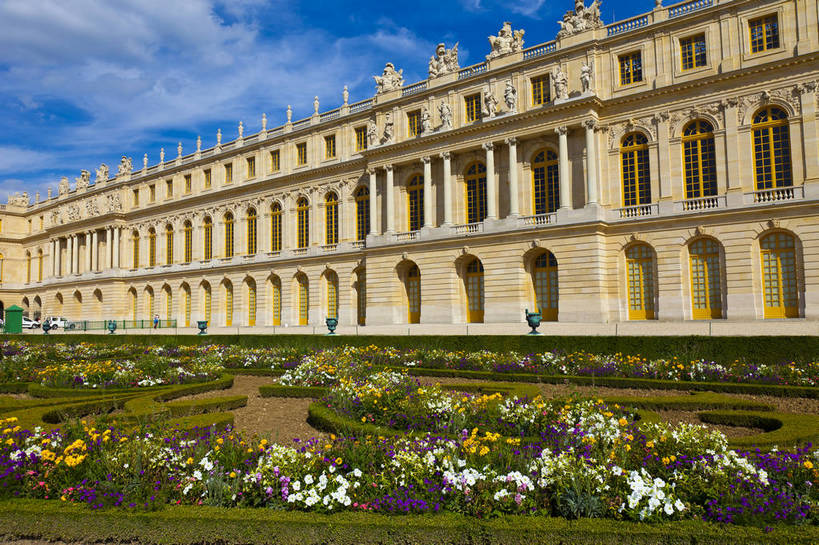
(329, 248)
(468, 228)
(300, 251)
(358, 244)
(688, 7)
(361, 106)
(638, 211)
(540, 219)
(702, 203)
(406, 237)
(329, 116)
(779, 194)
(625, 26)
(414, 88)
(539, 50)
(301, 124)
(473, 70)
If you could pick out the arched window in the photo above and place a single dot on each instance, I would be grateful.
(706, 292)
(640, 270)
(251, 304)
(331, 279)
(134, 305)
(635, 171)
(361, 296)
(545, 182)
(362, 213)
(474, 292)
(228, 304)
(188, 230)
(303, 219)
(206, 300)
(699, 159)
(186, 304)
(28, 266)
(331, 218)
(475, 182)
(168, 305)
(276, 299)
(414, 295)
(415, 202)
(544, 279)
(149, 303)
(781, 298)
(772, 149)
(208, 242)
(276, 227)
(169, 244)
(151, 247)
(39, 265)
(135, 248)
(228, 234)
(251, 231)
(304, 300)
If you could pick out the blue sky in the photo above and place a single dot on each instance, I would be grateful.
(84, 81)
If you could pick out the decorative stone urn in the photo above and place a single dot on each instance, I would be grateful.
(533, 319)
(332, 324)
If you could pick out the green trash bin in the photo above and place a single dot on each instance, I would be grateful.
(14, 319)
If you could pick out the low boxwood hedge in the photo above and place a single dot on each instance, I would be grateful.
(201, 525)
(783, 430)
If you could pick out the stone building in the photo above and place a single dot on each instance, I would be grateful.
(663, 168)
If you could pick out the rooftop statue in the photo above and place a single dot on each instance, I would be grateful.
(125, 166)
(506, 42)
(83, 181)
(63, 187)
(102, 174)
(389, 80)
(581, 19)
(444, 61)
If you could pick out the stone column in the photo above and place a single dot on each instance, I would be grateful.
(563, 167)
(53, 253)
(427, 191)
(807, 97)
(94, 250)
(76, 255)
(70, 254)
(87, 251)
(373, 202)
(108, 253)
(446, 156)
(514, 198)
(491, 183)
(591, 162)
(116, 247)
(661, 122)
(732, 170)
(389, 209)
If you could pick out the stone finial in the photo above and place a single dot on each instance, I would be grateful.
(37, 197)
(48, 193)
(315, 105)
(179, 150)
(289, 114)
(345, 94)
(264, 122)
(145, 162)
(198, 144)
(161, 156)
(241, 130)
(218, 137)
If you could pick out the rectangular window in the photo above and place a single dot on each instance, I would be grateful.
(414, 123)
(764, 33)
(473, 107)
(188, 183)
(229, 173)
(168, 189)
(152, 193)
(692, 51)
(360, 138)
(631, 68)
(41, 223)
(251, 167)
(330, 146)
(208, 178)
(274, 161)
(301, 153)
(136, 197)
(540, 90)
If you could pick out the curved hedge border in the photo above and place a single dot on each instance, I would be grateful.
(201, 525)
(781, 429)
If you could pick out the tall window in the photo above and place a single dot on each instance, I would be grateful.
(304, 300)
(135, 248)
(229, 235)
(362, 213)
(135, 194)
(474, 292)
(301, 153)
(331, 218)
(706, 295)
(361, 296)
(640, 270)
(149, 304)
(415, 202)
(544, 277)
(414, 295)
(635, 170)
(151, 247)
(275, 164)
(779, 287)
(188, 183)
(208, 178)
(545, 182)
(331, 280)
(251, 231)
(692, 51)
(168, 244)
(414, 123)
(134, 306)
(251, 167)
(276, 299)
(228, 305)
(540, 90)
(772, 149)
(303, 217)
(168, 305)
(168, 189)
(699, 160)
(473, 107)
(186, 304)
(152, 193)
(475, 182)
(631, 68)
(229, 173)
(188, 230)
(276, 227)
(206, 303)
(28, 267)
(764, 33)
(208, 242)
(251, 305)
(360, 138)
(39, 265)
(330, 146)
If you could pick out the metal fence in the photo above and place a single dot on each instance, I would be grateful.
(102, 325)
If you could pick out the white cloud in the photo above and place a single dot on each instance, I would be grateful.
(16, 159)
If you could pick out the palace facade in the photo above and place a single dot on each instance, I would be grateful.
(665, 167)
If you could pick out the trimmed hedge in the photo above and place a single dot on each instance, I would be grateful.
(192, 525)
(701, 400)
(784, 430)
(13, 387)
(720, 349)
(255, 372)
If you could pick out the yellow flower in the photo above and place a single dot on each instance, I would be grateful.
(650, 444)
(363, 418)
(622, 421)
(338, 461)
(808, 464)
(232, 474)
(189, 461)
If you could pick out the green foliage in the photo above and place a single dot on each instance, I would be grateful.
(783, 430)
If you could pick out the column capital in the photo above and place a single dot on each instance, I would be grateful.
(426, 159)
(561, 131)
(371, 171)
(512, 141)
(388, 168)
(488, 146)
(590, 124)
(445, 155)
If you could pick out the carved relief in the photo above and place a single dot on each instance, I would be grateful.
(618, 130)
(680, 118)
(787, 95)
(92, 208)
